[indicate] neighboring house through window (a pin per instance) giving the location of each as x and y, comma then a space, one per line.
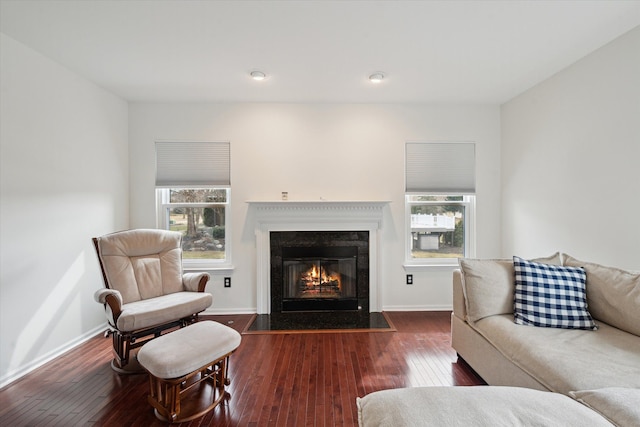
440, 202
193, 196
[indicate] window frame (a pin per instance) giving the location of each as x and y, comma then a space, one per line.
163, 205
468, 201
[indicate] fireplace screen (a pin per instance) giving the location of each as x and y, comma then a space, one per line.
317, 278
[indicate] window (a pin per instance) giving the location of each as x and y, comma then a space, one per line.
200, 214
439, 227
193, 197
440, 202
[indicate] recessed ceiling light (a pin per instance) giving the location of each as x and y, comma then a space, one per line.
258, 75
376, 77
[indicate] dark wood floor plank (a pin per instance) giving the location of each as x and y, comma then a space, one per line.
304, 398
309, 379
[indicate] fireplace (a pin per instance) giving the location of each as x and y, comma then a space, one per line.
319, 271
284, 216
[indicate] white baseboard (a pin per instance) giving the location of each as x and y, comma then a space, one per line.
417, 308
213, 311
21, 371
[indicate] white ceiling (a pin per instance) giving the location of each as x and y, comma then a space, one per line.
317, 51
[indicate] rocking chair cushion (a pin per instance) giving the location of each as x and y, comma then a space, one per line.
156, 311
142, 264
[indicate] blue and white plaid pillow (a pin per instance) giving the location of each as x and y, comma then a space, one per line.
551, 296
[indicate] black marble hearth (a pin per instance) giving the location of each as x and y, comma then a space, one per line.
346, 320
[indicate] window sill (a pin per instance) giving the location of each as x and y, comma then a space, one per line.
427, 267
218, 269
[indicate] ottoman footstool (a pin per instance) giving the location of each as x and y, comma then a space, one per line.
479, 406
188, 369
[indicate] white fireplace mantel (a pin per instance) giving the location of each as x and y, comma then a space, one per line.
314, 216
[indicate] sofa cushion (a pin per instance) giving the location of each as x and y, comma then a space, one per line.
613, 294
619, 405
488, 285
472, 407
550, 296
167, 308
567, 359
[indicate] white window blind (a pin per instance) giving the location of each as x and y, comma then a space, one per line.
180, 164
440, 167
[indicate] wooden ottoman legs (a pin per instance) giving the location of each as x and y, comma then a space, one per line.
184, 385
192, 395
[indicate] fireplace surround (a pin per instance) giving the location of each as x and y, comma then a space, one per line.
326, 216
319, 271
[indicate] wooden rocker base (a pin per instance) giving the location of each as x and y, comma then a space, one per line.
127, 344
131, 368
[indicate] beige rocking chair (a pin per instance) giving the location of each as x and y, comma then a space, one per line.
146, 292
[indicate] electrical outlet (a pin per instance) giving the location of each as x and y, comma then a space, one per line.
409, 279
227, 282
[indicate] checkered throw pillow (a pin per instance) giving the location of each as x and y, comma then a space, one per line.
550, 296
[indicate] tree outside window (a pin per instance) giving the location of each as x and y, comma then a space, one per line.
200, 215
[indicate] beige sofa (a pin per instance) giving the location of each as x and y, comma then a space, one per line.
540, 376
566, 361
485, 336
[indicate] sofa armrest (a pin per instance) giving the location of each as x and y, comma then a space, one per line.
459, 307
112, 301
195, 282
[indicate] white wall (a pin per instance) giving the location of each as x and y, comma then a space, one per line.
570, 161
64, 179
337, 152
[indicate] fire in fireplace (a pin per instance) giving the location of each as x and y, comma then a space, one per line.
319, 278
317, 282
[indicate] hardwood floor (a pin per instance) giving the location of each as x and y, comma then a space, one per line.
309, 379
